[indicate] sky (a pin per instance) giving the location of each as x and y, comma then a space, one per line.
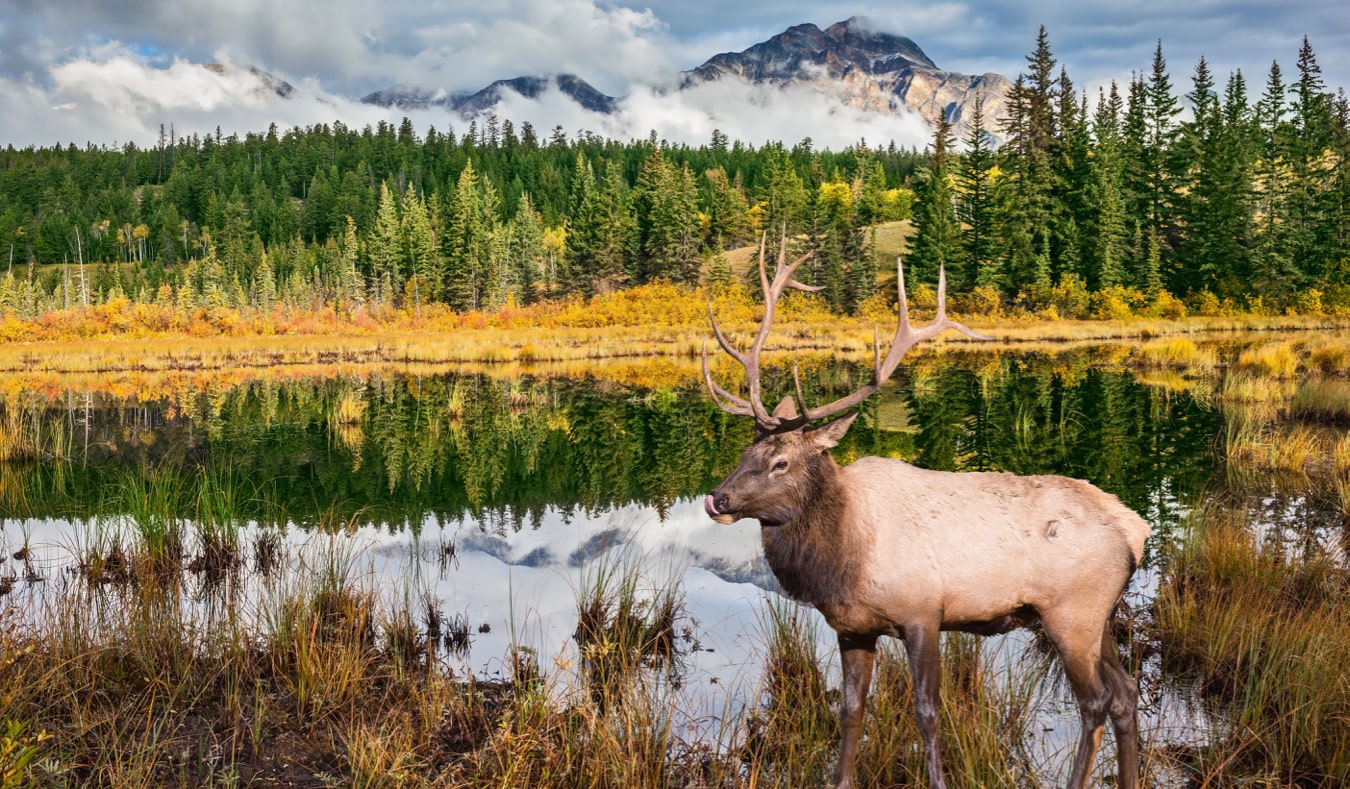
112, 71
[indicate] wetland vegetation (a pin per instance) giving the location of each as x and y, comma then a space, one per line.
336, 457
241, 578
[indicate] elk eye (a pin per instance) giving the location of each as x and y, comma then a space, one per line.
780, 465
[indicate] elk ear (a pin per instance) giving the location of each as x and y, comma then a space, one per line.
828, 434
786, 408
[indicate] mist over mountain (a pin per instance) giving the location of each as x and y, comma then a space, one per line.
838, 85
848, 65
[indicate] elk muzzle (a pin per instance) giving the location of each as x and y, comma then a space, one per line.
716, 505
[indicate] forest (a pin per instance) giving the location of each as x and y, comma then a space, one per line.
1139, 200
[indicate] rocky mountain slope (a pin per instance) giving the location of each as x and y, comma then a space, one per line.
868, 70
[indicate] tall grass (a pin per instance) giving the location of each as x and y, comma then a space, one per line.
623, 627
1175, 353
1263, 635
1325, 400
1272, 360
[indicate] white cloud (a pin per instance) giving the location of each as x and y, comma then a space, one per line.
52, 50
123, 97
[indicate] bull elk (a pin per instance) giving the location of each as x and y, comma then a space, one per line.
881, 547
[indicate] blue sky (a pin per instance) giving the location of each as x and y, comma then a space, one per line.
113, 70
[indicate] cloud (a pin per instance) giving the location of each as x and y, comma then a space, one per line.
612, 47
51, 53
124, 96
749, 113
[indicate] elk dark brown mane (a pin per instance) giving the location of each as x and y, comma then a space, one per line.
881, 547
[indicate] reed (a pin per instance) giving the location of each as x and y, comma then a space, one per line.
1322, 400
1272, 360
1263, 635
625, 624
1180, 353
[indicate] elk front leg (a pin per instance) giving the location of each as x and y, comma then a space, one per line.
923, 647
857, 654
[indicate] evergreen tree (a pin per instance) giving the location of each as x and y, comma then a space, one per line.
1312, 199
975, 205
1214, 204
527, 250
666, 216
467, 236
937, 236
423, 253
1158, 160
1106, 229
1274, 272
386, 246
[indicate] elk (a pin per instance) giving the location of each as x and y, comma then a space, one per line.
881, 547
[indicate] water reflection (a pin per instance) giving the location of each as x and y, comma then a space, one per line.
403, 451
488, 503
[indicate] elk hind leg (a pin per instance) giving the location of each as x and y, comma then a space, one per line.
1080, 650
1124, 712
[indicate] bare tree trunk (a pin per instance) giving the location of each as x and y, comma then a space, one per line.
79, 258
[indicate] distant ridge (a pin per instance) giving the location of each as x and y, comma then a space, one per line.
865, 69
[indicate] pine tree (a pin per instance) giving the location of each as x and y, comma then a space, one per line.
1159, 164
975, 204
386, 246
423, 253
468, 230
1312, 231
527, 250
937, 235
1214, 204
1106, 266
666, 214
1274, 272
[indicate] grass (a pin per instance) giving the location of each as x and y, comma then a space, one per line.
1178, 353
1262, 633
1271, 360
325, 680
1322, 400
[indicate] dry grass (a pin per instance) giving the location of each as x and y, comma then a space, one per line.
1263, 635
1272, 360
1324, 400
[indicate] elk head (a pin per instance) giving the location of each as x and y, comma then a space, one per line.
788, 446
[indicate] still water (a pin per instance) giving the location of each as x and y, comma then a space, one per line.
495, 502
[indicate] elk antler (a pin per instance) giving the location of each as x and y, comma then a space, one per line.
782, 279
906, 337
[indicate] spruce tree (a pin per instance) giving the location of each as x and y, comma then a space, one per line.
937, 235
975, 204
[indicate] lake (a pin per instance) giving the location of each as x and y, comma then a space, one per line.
489, 506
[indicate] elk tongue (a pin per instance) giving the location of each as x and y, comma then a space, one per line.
709, 507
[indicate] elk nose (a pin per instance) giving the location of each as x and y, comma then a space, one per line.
720, 501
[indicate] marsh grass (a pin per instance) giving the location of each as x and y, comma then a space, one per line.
149, 502
625, 624
1176, 353
794, 733
1263, 635
1271, 360
1322, 400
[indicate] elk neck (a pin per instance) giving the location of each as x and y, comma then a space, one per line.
817, 552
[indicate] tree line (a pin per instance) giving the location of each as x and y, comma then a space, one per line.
1128, 195
1123, 194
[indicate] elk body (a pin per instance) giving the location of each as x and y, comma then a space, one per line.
881, 547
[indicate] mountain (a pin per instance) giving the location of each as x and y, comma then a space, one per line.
485, 100
267, 82
866, 69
